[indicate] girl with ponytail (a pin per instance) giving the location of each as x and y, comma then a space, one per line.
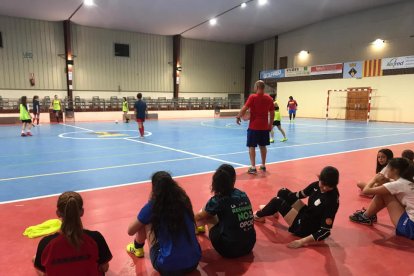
229, 216
167, 222
75, 250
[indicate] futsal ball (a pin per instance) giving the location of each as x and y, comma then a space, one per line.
116, 121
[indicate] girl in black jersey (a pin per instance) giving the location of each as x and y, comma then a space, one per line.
312, 222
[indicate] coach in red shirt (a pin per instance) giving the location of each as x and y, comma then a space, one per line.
261, 119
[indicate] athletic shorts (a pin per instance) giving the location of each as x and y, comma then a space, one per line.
226, 248
405, 227
154, 253
257, 137
56, 111
139, 120
276, 123
292, 111
26, 121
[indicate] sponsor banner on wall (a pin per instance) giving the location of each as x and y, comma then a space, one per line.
326, 69
272, 74
352, 69
372, 68
398, 63
297, 72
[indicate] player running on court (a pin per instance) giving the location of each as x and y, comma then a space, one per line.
140, 112
277, 122
261, 108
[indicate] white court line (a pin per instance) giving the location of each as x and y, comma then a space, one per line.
202, 173
185, 152
320, 143
96, 169
78, 127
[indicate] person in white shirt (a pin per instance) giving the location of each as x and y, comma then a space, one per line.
397, 196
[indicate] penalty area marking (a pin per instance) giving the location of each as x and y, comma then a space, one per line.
64, 135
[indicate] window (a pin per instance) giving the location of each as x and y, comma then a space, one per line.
121, 50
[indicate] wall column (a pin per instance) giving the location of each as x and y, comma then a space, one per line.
176, 64
68, 61
248, 68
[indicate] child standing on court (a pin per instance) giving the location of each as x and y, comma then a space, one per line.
56, 107
229, 216
140, 108
36, 109
125, 109
74, 250
277, 122
292, 107
25, 117
167, 222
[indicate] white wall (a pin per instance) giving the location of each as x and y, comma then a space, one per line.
350, 37
45, 41
211, 68
393, 98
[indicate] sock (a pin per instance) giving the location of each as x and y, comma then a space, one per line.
138, 245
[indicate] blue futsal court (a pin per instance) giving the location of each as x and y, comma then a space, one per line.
85, 156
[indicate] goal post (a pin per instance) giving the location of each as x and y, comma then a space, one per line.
337, 103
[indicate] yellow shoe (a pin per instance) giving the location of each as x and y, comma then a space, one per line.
272, 140
200, 229
138, 252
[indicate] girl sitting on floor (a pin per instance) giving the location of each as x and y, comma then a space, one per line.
75, 250
383, 157
167, 222
312, 222
229, 216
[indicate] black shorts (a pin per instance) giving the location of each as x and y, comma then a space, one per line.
276, 123
56, 111
154, 253
257, 137
26, 121
229, 249
302, 226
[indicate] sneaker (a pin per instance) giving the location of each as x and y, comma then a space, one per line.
359, 217
263, 168
374, 218
272, 140
283, 140
258, 219
23, 135
29, 134
138, 252
200, 229
252, 170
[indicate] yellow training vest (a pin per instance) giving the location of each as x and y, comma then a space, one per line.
24, 114
277, 112
125, 106
56, 105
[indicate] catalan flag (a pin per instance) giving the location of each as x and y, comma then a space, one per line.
372, 68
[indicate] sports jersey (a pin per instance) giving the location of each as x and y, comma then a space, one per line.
292, 104
235, 216
140, 108
24, 114
125, 106
277, 112
317, 217
56, 105
404, 190
176, 253
56, 256
260, 105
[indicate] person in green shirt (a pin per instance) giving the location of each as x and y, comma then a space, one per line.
125, 109
276, 122
56, 106
25, 117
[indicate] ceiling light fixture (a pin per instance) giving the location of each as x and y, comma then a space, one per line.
213, 21
303, 54
378, 43
243, 5
262, 2
88, 3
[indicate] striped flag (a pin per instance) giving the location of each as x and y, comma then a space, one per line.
372, 68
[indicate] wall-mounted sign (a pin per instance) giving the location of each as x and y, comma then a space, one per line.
297, 72
326, 69
272, 74
398, 63
27, 55
372, 68
352, 69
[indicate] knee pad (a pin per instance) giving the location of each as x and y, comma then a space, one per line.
284, 193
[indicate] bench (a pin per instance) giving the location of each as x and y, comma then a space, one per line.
10, 120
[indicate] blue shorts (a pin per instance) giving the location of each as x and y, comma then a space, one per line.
155, 252
257, 137
292, 111
405, 227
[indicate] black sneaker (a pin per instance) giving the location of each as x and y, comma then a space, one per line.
252, 170
359, 217
374, 218
263, 168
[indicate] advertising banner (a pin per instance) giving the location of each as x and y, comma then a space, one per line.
398, 63
272, 74
352, 69
297, 72
326, 69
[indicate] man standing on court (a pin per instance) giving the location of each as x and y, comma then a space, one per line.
140, 108
292, 106
261, 108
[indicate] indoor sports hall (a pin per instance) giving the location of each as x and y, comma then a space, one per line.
348, 68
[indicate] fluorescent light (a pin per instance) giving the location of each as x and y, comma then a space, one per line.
243, 5
303, 54
262, 2
379, 43
88, 2
213, 21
